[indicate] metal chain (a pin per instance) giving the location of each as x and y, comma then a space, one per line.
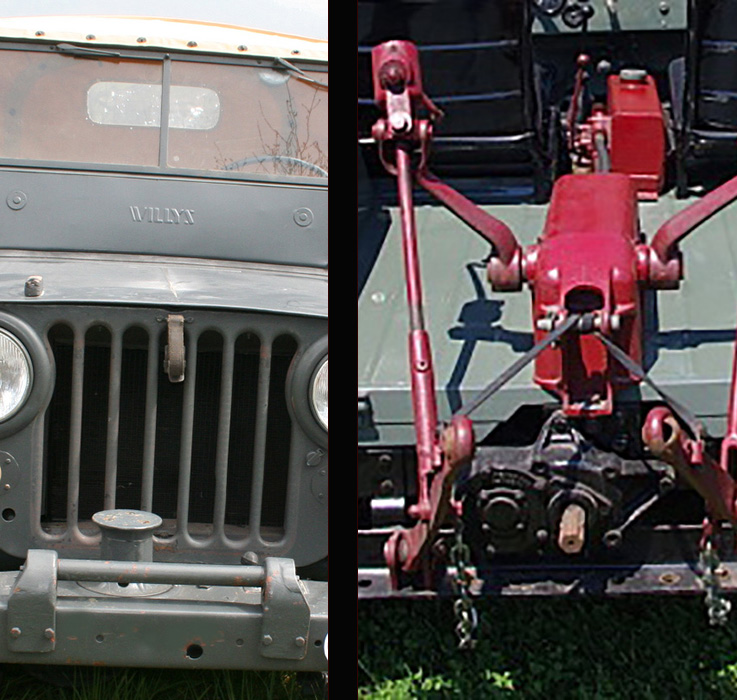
463, 606
717, 606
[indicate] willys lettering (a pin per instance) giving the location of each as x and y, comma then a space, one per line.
162, 215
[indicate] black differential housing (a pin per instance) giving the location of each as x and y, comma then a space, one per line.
514, 497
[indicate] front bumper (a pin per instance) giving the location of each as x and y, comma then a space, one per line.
119, 613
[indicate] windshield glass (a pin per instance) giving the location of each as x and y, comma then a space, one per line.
256, 119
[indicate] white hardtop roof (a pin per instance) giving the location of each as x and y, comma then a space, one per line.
171, 34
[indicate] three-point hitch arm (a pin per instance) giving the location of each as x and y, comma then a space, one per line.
615, 268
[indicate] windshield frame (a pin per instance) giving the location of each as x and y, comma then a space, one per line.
166, 57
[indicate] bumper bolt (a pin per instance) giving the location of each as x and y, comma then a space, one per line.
249, 558
299, 641
49, 633
15, 632
266, 640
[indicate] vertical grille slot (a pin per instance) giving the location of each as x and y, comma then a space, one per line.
278, 439
113, 421
241, 444
58, 426
185, 449
134, 387
210, 455
205, 438
167, 438
93, 451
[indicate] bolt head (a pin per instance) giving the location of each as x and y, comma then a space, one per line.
266, 640
15, 632
314, 457
249, 558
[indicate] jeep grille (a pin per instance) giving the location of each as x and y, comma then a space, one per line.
210, 455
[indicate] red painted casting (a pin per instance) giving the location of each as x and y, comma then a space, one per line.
628, 133
636, 131
586, 262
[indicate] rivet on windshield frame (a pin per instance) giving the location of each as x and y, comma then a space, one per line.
141, 40
40, 33
242, 47
91, 37
191, 44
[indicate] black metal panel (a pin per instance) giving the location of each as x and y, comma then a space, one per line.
477, 67
716, 97
472, 60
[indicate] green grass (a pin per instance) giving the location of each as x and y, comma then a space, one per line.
148, 684
649, 648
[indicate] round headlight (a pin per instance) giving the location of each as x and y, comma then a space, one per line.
16, 375
319, 394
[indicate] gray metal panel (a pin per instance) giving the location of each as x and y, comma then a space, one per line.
223, 625
71, 278
476, 333
257, 222
630, 15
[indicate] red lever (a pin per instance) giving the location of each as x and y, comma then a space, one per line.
664, 245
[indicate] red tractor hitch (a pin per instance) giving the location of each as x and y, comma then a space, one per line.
586, 274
